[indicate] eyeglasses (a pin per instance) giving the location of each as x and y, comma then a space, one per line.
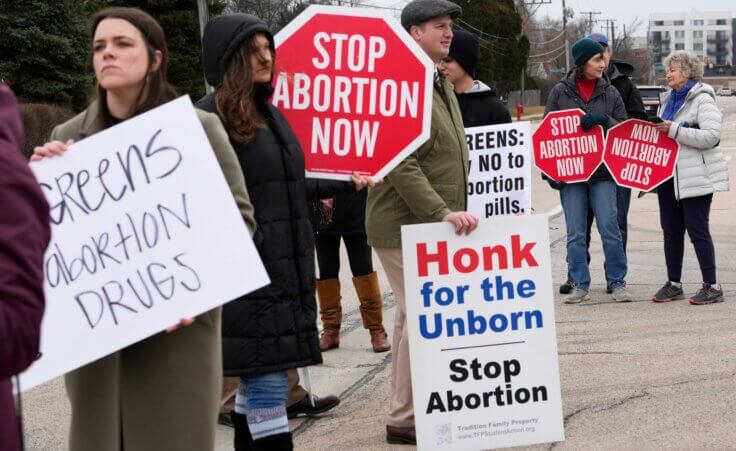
447, 59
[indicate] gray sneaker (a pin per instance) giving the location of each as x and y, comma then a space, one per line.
709, 294
621, 294
577, 296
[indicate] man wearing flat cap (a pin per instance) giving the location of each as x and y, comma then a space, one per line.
428, 186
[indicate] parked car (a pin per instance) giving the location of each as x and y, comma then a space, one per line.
651, 96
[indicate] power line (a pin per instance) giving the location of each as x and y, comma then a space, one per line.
559, 55
547, 42
562, 47
477, 30
484, 43
590, 18
352, 3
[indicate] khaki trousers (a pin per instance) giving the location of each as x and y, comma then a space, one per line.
230, 386
401, 407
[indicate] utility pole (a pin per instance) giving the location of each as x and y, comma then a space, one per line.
613, 34
590, 19
564, 30
204, 17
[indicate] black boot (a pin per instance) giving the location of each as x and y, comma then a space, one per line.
278, 442
243, 440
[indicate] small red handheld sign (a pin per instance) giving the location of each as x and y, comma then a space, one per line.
563, 151
639, 156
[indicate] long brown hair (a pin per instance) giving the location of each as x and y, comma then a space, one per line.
156, 89
234, 97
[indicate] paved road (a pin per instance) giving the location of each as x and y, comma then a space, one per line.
634, 376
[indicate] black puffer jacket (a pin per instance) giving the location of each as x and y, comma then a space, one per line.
348, 215
620, 72
480, 106
605, 100
274, 328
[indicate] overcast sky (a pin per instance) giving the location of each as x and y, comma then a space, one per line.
624, 11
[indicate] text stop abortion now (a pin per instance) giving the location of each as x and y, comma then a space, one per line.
347, 95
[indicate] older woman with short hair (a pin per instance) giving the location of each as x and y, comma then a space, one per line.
690, 116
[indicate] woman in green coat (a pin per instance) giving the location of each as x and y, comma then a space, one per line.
163, 392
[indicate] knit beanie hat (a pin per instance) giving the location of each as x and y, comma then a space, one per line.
585, 49
465, 49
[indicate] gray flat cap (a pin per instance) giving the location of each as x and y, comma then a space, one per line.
420, 11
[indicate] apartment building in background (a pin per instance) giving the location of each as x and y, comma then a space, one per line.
708, 34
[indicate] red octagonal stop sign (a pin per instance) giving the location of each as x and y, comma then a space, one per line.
356, 89
563, 151
639, 156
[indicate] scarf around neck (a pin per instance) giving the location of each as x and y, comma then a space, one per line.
676, 100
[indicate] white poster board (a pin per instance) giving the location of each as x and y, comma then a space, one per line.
500, 177
145, 232
483, 347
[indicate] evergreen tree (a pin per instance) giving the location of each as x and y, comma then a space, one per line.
276, 13
504, 50
180, 21
44, 49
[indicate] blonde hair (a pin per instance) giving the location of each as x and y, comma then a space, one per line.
687, 63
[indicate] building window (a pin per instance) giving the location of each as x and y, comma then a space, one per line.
658, 23
698, 47
679, 34
698, 34
721, 22
698, 22
679, 23
679, 46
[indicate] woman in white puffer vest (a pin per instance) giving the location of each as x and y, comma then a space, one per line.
692, 118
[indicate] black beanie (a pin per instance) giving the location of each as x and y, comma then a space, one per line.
465, 49
585, 49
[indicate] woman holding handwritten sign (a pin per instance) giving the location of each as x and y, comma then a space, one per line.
161, 393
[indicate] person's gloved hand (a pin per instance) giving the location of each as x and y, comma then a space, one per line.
591, 119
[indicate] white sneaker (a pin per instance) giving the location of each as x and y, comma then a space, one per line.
577, 296
621, 294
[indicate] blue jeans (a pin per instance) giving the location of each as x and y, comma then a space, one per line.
262, 391
601, 198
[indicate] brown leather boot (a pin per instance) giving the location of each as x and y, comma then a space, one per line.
371, 309
330, 310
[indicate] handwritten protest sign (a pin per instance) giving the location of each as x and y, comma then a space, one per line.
145, 232
639, 156
499, 181
482, 340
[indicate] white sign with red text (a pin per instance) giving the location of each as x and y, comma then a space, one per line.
482, 339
